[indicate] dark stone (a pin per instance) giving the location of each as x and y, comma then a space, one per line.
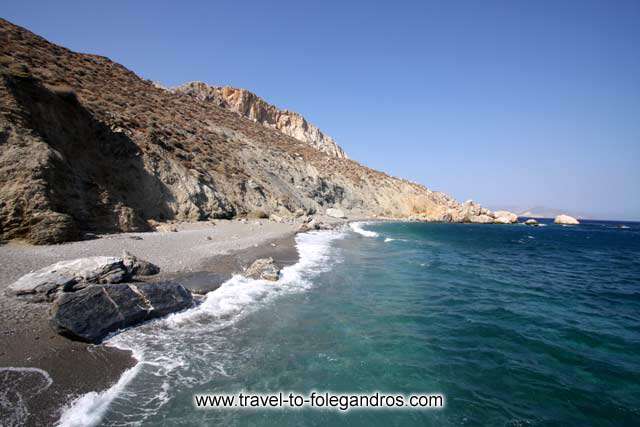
90, 314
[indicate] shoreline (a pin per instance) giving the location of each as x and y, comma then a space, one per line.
201, 256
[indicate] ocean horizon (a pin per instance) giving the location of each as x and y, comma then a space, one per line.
513, 325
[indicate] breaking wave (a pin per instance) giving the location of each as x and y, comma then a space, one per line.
357, 227
165, 348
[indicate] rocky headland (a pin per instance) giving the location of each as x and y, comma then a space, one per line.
88, 147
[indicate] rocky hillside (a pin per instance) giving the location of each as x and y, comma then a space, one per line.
248, 104
87, 146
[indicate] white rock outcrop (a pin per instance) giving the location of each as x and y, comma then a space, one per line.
481, 219
505, 217
78, 273
566, 220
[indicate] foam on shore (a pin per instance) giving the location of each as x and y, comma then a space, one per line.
38, 379
88, 409
231, 301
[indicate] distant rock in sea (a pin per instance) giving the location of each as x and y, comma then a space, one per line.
566, 220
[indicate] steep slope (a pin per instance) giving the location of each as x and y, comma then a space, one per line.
249, 105
87, 146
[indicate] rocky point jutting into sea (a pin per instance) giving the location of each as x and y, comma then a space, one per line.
90, 147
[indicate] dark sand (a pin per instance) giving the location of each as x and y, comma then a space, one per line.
26, 340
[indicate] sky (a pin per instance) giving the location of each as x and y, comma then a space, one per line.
509, 103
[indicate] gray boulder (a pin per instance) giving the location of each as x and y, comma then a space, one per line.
264, 269
138, 267
79, 273
92, 313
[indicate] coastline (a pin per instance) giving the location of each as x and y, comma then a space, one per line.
200, 255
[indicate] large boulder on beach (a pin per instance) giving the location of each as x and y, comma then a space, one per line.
566, 220
79, 273
264, 269
90, 314
335, 213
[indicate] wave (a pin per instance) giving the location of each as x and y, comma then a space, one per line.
230, 302
357, 227
239, 293
391, 239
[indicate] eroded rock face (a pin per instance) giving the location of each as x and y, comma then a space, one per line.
264, 269
90, 314
66, 276
248, 104
566, 220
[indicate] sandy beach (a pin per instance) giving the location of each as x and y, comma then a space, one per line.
201, 256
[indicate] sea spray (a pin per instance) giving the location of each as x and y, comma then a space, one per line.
357, 227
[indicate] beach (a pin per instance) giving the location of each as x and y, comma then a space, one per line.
199, 255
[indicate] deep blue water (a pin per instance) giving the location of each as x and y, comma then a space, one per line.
515, 325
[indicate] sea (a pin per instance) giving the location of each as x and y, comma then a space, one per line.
512, 325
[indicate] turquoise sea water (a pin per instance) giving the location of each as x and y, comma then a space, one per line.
515, 325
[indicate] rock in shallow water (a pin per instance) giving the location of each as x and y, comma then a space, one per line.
263, 268
92, 313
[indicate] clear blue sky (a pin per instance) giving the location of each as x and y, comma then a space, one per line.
507, 102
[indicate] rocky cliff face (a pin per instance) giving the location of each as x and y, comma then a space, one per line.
249, 105
86, 146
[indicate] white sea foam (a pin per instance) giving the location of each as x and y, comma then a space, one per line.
357, 227
88, 409
391, 239
239, 293
230, 302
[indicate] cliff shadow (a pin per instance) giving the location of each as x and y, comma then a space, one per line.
94, 174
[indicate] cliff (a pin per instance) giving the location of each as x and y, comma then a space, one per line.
86, 146
249, 105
